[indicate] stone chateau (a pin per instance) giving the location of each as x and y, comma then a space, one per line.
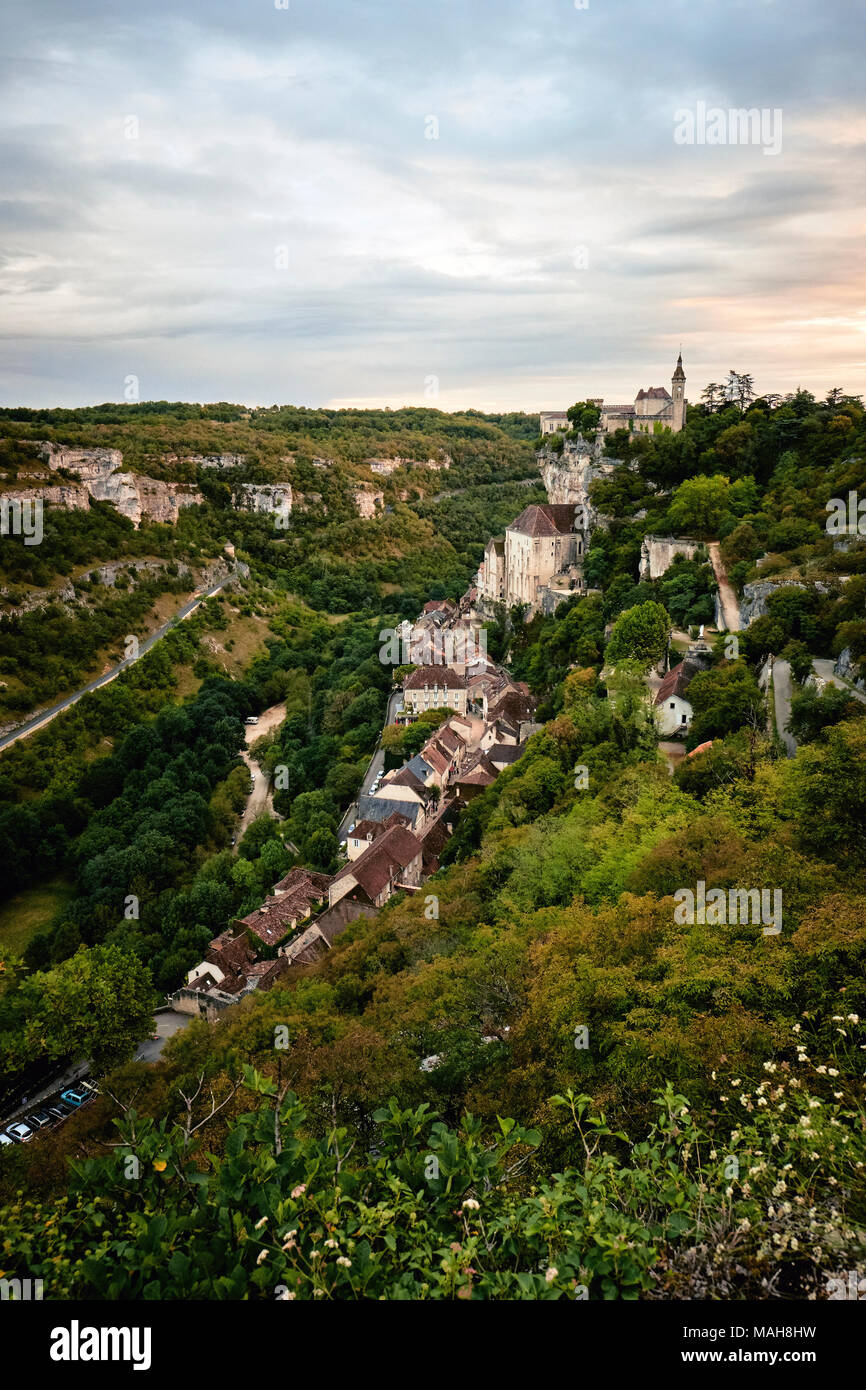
653, 407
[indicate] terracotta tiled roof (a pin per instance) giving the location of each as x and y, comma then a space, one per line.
372, 829
676, 682
383, 862
406, 778
294, 898
439, 759
701, 748
449, 739
545, 519
511, 704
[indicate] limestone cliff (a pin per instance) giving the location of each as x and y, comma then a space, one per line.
265, 497
98, 470
367, 501
567, 476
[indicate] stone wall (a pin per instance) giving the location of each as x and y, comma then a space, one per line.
657, 554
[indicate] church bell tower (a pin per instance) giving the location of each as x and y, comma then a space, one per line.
678, 385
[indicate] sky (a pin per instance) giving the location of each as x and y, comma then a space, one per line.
458, 203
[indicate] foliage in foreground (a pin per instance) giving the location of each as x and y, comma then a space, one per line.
765, 1199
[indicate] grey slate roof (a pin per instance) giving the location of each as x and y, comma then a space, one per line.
379, 808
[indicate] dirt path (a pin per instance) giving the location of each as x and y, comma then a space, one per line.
261, 798
727, 598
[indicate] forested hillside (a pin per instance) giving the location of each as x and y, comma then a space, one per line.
532, 1079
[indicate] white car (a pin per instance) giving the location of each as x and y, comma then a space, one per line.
19, 1132
251, 719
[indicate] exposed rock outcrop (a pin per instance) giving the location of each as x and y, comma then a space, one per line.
265, 497
367, 501
847, 669
133, 494
387, 466
72, 497
567, 476
217, 460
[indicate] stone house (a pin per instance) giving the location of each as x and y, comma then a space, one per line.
673, 713
434, 687
392, 861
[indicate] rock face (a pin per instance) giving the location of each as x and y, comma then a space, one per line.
387, 466
217, 460
567, 476
265, 497
848, 670
657, 554
132, 494
73, 497
753, 604
367, 501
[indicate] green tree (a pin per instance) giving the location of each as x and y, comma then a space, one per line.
640, 634
698, 505
723, 699
98, 1004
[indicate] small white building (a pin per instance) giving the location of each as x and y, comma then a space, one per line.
673, 712
552, 421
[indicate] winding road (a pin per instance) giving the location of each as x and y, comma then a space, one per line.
37, 721
376, 763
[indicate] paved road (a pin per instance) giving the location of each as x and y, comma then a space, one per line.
782, 704
824, 668
45, 717
376, 763
727, 598
165, 1025
458, 492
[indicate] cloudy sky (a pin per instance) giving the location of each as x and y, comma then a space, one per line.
350, 202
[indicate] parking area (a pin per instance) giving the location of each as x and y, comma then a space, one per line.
47, 1113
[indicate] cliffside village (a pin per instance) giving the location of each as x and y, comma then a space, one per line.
403, 823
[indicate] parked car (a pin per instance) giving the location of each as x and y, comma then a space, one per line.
59, 1110
4, 1138
39, 1119
75, 1098
19, 1132
251, 719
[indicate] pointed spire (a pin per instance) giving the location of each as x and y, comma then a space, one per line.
679, 374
